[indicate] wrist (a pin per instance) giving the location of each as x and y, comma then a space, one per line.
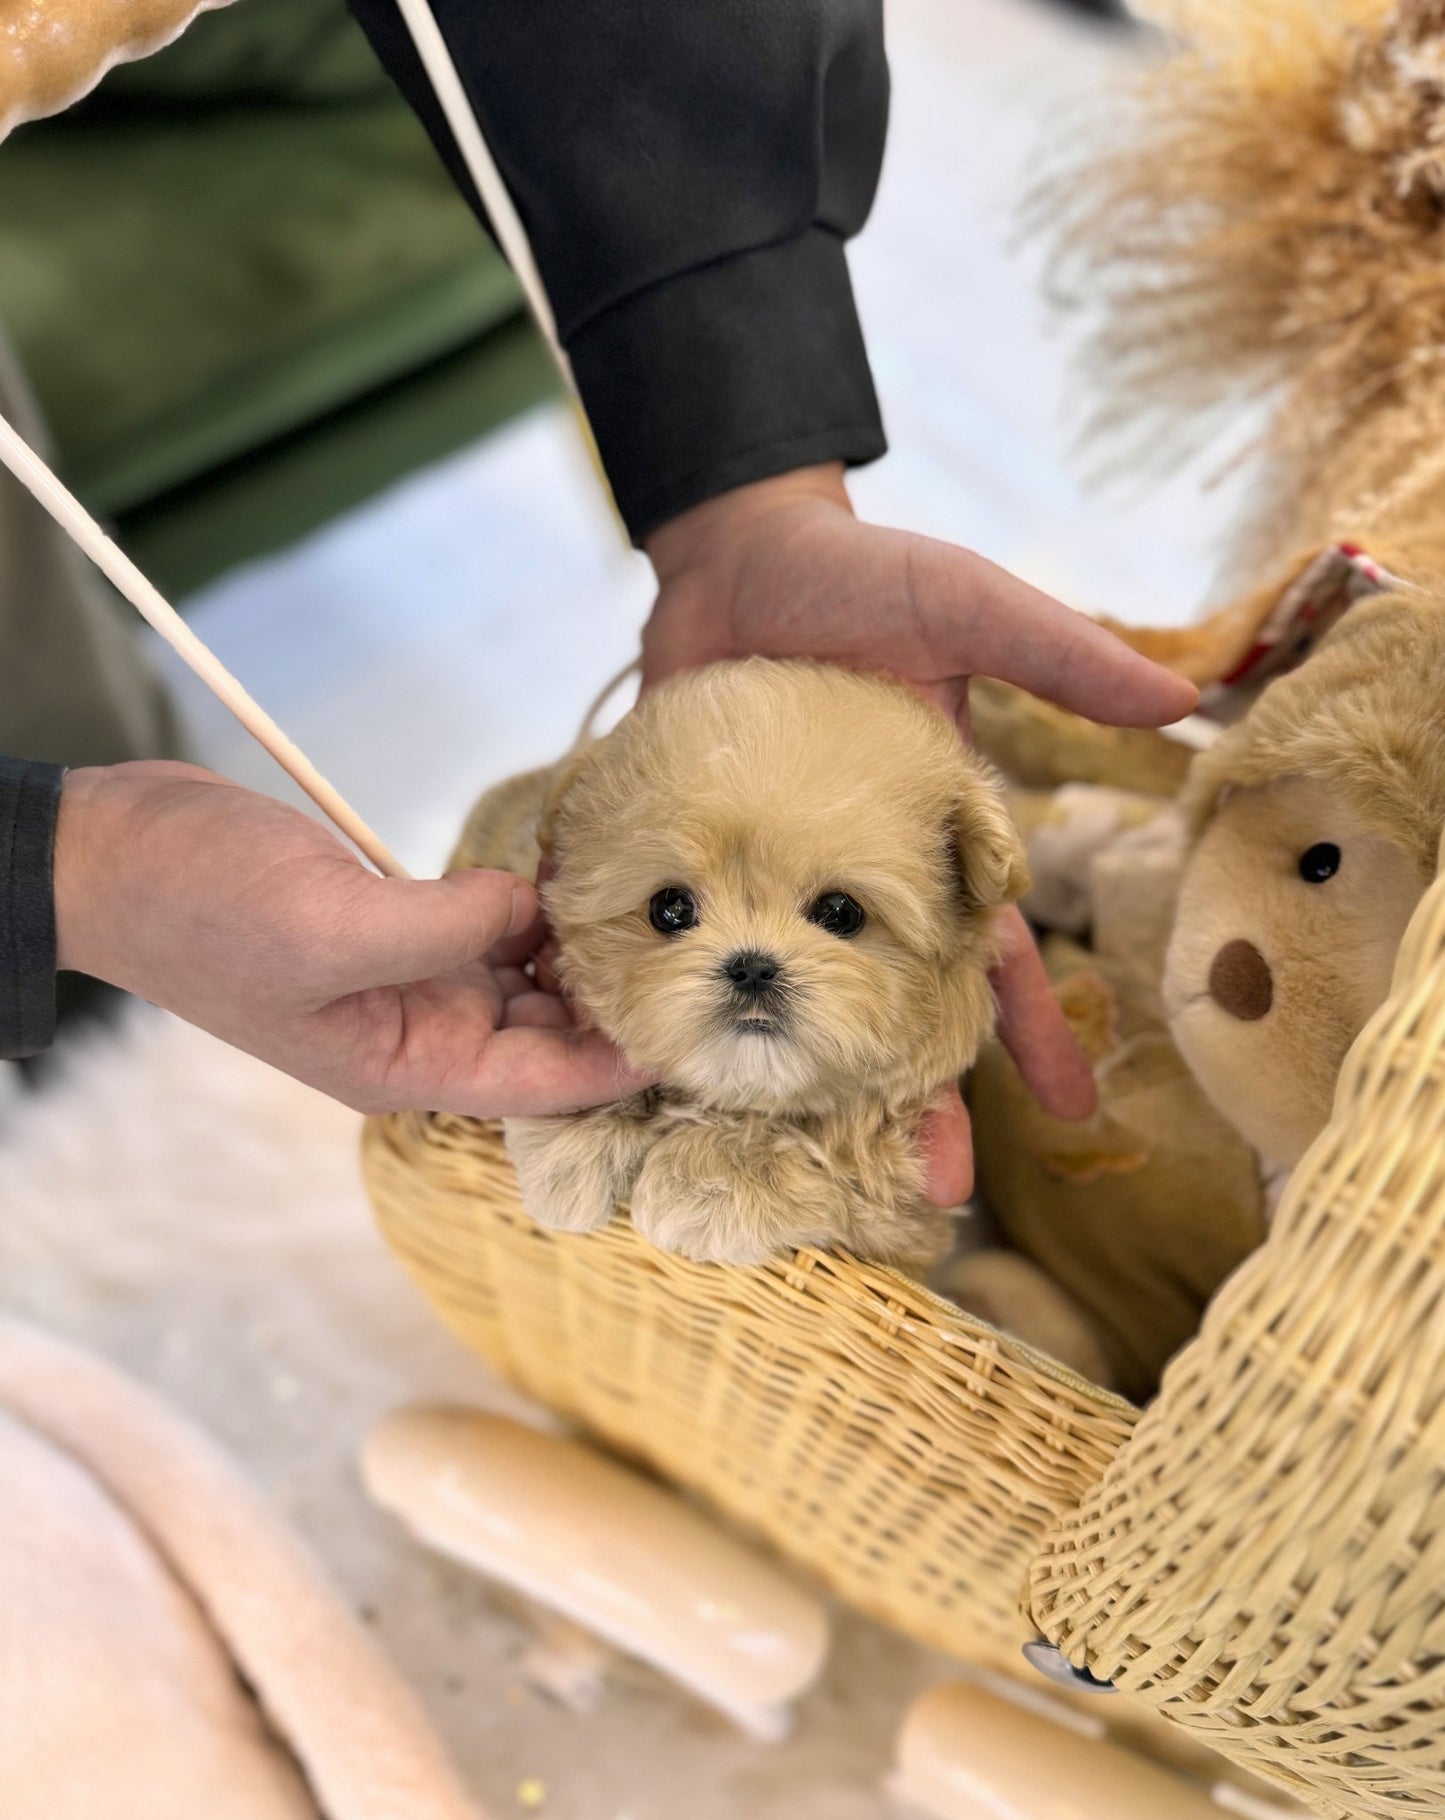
78, 839
106, 861
694, 536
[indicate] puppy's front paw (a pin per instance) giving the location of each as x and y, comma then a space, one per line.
572, 1172
706, 1196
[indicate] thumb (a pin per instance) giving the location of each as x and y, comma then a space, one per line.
1035, 1031
947, 1151
991, 623
420, 929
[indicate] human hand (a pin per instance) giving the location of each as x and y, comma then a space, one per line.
251, 920
782, 568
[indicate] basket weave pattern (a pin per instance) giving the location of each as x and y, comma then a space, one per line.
905, 1455
1260, 1557
1265, 1561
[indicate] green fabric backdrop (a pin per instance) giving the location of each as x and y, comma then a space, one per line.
245, 290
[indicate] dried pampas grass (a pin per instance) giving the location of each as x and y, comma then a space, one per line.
1266, 218
1219, 21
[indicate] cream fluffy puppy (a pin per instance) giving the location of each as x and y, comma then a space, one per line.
776, 886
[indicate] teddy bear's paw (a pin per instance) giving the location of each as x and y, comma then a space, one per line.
567, 1172
1011, 1293
706, 1197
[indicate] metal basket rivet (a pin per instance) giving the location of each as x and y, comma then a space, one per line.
1052, 1663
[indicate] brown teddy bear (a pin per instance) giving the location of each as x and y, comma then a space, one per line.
1268, 216
1238, 948
1317, 825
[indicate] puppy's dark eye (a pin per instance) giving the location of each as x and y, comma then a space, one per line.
1319, 862
838, 913
672, 910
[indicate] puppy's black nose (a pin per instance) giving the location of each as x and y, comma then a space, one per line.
751, 973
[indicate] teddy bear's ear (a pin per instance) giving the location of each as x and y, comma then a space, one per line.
993, 867
1237, 760
563, 778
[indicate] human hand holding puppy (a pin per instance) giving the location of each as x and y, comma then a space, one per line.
253, 921
783, 568
162, 869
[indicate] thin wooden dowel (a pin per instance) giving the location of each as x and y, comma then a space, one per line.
117, 567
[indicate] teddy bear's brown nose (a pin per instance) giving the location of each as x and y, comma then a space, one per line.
1240, 981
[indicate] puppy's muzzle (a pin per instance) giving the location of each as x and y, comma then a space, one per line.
752, 975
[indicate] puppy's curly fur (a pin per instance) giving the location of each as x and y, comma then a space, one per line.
789, 1103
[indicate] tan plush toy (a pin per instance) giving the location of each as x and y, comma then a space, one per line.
1317, 823
1308, 835
1305, 146
1116, 1229
1120, 1228
1265, 215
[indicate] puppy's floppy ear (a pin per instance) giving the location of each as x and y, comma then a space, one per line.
563, 778
993, 868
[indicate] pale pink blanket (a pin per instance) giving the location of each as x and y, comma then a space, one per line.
167, 1648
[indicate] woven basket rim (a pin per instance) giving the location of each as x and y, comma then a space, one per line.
944, 1319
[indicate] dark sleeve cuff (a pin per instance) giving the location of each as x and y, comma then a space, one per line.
29, 804
731, 373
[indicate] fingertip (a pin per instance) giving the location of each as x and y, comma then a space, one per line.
635, 1080
1161, 699
1186, 694
494, 886
1034, 1030
495, 894
598, 1070
533, 1070
1072, 1093
1120, 688
525, 908
947, 1141
537, 1011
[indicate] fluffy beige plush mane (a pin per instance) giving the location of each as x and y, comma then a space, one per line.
1356, 718
1266, 218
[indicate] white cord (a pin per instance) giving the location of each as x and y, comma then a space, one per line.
112, 561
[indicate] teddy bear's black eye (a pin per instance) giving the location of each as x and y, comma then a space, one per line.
672, 910
1319, 862
838, 913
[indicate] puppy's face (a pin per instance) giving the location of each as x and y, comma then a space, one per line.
775, 885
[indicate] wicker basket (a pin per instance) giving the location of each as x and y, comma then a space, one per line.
1260, 1556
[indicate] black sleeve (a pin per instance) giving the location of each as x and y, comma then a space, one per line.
29, 801
687, 172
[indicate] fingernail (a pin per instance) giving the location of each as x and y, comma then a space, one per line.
524, 908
